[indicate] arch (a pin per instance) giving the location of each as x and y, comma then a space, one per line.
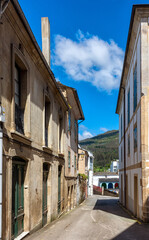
110, 185
116, 185
104, 185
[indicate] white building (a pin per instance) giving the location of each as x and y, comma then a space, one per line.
108, 180
90, 173
133, 110
114, 167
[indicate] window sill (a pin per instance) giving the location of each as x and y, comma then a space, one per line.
47, 149
61, 155
21, 138
21, 236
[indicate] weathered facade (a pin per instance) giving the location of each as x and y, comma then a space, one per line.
132, 107
35, 136
74, 114
85, 166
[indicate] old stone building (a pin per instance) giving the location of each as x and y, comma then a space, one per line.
75, 113
82, 161
85, 166
132, 107
35, 135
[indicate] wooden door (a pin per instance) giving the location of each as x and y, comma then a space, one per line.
59, 189
45, 190
17, 199
135, 195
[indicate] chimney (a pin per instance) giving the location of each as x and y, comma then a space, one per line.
46, 38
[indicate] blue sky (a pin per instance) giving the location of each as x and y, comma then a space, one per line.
88, 40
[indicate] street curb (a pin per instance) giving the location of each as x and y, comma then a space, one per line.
129, 213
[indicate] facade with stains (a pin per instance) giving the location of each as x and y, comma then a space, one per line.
133, 110
35, 134
85, 166
74, 114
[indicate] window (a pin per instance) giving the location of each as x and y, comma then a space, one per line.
75, 129
121, 154
47, 120
91, 163
60, 134
19, 111
128, 105
69, 120
128, 145
135, 137
121, 126
68, 159
75, 161
135, 88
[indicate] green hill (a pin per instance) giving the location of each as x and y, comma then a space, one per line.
104, 147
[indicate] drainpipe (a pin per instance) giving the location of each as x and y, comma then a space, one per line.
124, 154
2, 119
1, 172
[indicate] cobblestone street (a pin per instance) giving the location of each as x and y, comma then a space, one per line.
99, 217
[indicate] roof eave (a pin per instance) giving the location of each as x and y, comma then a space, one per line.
29, 31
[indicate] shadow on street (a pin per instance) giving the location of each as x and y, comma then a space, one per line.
135, 232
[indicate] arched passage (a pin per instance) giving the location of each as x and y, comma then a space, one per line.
116, 185
104, 185
110, 185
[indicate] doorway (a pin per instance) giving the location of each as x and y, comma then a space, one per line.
122, 188
18, 173
45, 190
136, 195
59, 188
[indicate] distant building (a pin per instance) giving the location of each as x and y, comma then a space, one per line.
133, 110
85, 166
108, 180
114, 167
71, 146
90, 173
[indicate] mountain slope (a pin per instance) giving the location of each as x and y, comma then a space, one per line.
103, 146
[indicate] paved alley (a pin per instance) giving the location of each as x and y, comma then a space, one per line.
99, 217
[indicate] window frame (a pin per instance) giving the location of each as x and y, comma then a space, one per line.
135, 140
128, 106
135, 88
69, 159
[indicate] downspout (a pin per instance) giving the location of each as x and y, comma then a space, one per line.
2, 120
124, 154
1, 174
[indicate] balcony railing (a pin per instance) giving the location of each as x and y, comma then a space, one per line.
19, 119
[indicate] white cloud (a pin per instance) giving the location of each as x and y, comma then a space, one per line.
82, 127
90, 59
84, 135
102, 129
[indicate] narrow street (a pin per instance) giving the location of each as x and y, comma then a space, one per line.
99, 217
